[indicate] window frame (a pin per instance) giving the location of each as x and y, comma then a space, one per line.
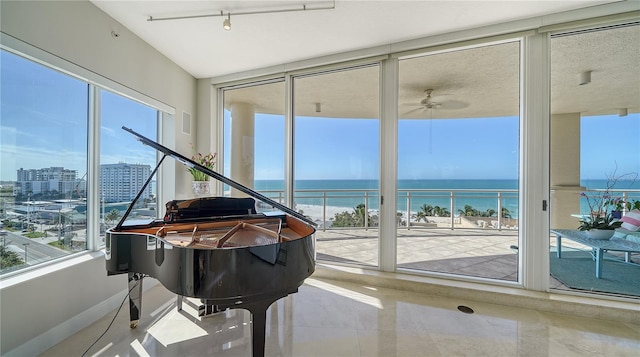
96, 83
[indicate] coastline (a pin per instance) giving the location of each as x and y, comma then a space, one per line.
315, 212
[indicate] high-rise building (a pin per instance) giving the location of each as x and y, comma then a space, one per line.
48, 179
122, 182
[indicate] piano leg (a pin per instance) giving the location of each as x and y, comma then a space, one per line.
135, 298
258, 311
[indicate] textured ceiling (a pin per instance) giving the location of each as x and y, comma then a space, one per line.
477, 82
204, 49
484, 80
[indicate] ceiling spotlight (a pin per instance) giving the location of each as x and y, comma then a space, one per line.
227, 23
585, 78
623, 112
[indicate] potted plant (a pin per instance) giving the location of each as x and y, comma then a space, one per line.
201, 184
599, 224
601, 221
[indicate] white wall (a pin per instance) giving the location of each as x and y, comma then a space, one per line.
53, 303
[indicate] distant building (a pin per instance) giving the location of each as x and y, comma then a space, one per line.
50, 179
47, 174
122, 182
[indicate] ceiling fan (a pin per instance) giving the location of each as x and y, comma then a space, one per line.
430, 103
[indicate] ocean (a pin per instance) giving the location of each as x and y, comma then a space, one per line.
479, 194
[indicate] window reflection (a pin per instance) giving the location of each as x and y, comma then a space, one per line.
125, 165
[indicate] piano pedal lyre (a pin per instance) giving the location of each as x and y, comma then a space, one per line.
207, 309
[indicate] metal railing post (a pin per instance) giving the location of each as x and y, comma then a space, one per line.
499, 210
451, 200
408, 209
366, 210
324, 211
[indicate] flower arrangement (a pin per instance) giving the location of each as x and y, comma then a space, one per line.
208, 161
602, 206
600, 218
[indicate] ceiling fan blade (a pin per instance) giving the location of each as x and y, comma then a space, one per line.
453, 104
440, 97
414, 110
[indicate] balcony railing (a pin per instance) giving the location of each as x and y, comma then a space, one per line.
409, 203
410, 200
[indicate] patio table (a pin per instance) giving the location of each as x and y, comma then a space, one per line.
599, 246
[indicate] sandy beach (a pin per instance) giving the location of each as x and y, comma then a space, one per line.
315, 212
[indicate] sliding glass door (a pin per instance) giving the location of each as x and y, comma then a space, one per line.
336, 161
595, 160
458, 162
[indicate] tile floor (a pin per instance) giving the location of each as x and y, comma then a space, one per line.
335, 318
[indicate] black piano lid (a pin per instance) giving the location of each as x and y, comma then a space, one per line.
192, 164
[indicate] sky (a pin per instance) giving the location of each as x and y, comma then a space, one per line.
43, 124
476, 148
43, 121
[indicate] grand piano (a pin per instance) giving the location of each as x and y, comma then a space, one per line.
218, 249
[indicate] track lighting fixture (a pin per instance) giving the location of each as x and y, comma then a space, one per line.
227, 23
320, 5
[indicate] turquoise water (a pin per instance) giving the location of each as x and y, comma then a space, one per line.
615, 190
350, 193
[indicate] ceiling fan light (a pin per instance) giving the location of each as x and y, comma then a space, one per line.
585, 78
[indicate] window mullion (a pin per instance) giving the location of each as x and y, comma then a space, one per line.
93, 169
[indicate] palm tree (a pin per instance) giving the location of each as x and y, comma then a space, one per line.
359, 214
468, 211
112, 216
505, 213
423, 212
441, 211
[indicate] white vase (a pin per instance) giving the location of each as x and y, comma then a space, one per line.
201, 188
600, 233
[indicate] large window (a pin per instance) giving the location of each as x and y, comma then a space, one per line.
254, 138
44, 150
458, 162
336, 161
460, 126
595, 159
44, 163
125, 165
